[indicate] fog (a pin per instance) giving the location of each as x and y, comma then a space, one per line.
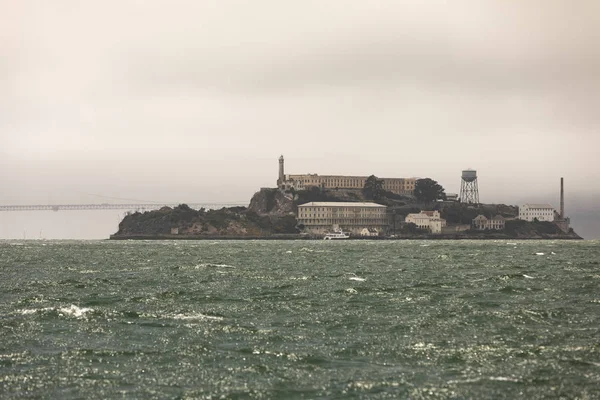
187, 101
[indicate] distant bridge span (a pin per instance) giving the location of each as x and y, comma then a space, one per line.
107, 206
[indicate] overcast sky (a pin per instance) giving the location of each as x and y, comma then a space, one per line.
195, 100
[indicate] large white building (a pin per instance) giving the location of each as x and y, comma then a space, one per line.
541, 212
323, 217
304, 181
429, 220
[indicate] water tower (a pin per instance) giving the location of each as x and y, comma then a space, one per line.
469, 193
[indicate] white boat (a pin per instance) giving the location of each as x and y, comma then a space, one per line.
336, 235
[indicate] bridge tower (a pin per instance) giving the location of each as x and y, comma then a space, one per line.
469, 192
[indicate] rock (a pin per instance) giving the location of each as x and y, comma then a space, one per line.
271, 202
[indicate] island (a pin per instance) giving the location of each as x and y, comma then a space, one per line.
273, 213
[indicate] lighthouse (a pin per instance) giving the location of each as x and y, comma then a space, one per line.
281, 179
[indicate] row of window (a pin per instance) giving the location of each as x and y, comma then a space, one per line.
348, 209
354, 183
344, 222
346, 216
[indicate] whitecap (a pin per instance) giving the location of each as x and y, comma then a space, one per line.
503, 379
470, 380
197, 316
74, 311
352, 291
29, 311
539, 254
288, 252
207, 265
356, 278
528, 277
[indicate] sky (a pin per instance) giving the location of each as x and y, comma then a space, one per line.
194, 101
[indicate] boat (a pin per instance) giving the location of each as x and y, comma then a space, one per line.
336, 235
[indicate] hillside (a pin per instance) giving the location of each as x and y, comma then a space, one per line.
184, 221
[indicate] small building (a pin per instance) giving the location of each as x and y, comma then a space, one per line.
322, 217
429, 220
369, 232
497, 223
541, 212
451, 196
481, 223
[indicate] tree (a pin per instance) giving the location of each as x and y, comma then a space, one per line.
427, 191
373, 189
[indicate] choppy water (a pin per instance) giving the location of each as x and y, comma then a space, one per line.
244, 319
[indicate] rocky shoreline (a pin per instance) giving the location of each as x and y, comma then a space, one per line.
309, 237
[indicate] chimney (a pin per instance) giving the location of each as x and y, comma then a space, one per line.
562, 199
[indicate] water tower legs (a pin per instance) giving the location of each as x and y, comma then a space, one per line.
469, 192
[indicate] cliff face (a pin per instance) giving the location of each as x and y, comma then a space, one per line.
271, 202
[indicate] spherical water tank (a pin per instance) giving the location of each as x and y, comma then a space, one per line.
469, 175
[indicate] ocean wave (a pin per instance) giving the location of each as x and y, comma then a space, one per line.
197, 316
71, 311
212, 265
356, 278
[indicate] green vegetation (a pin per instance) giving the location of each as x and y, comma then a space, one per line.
427, 191
462, 213
459, 213
373, 189
522, 228
413, 229
286, 224
235, 221
314, 194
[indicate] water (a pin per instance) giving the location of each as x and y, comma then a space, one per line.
304, 319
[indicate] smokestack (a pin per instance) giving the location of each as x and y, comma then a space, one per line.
562, 199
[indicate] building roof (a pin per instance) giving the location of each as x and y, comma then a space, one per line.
498, 218
480, 217
340, 204
537, 206
346, 177
430, 213
418, 215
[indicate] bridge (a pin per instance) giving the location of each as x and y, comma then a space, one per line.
113, 206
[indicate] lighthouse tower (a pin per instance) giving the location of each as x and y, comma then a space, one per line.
281, 179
